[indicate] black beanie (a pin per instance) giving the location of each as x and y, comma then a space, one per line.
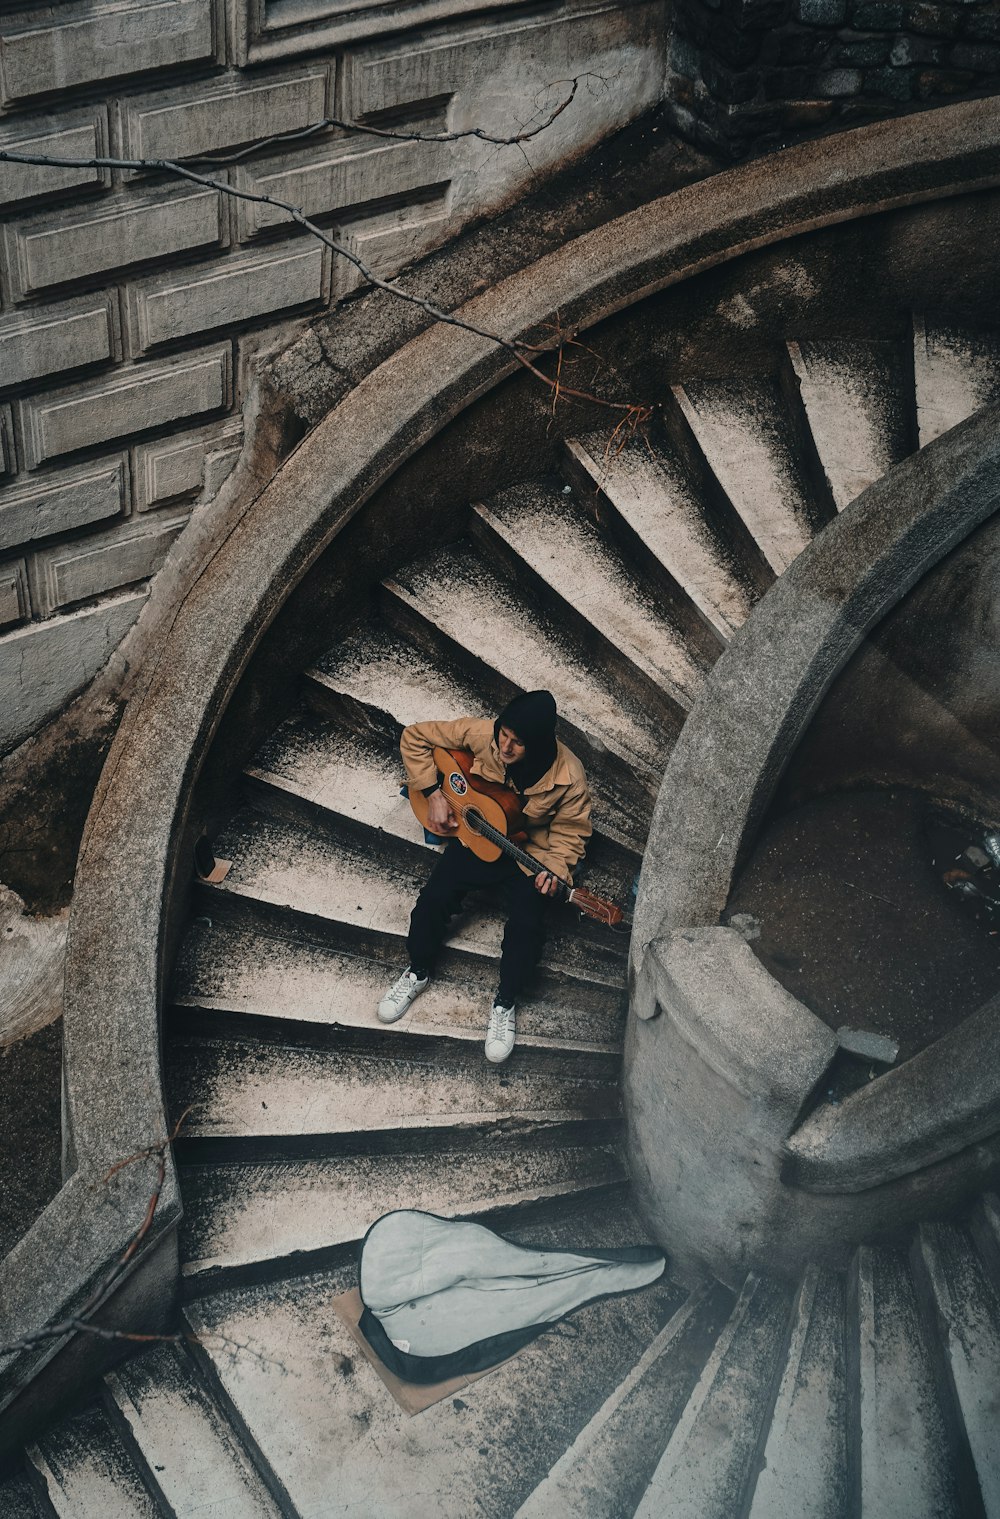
532, 717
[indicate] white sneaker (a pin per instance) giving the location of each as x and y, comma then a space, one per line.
500, 1034
399, 996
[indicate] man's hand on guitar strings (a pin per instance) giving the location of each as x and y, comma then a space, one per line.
440, 817
547, 884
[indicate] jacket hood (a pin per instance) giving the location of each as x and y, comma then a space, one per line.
532, 716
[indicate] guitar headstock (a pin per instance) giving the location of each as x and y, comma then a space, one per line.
596, 907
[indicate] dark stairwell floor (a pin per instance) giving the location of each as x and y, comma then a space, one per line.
856, 922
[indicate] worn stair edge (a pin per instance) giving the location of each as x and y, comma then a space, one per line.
604, 1472
692, 569
246, 1216
963, 1313
81, 1470
701, 1476
905, 1461
181, 1439
803, 1475
666, 683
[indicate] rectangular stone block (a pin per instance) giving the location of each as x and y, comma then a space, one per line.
131, 400
15, 603
40, 252
340, 175
58, 337
82, 134
64, 47
175, 469
389, 240
271, 29
231, 291
43, 664
180, 123
63, 502
102, 562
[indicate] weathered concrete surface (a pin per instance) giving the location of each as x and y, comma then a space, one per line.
198, 641
804, 1466
701, 1476
945, 1099
607, 1468
719, 1062
906, 1460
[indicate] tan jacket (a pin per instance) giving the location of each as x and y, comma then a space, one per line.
557, 806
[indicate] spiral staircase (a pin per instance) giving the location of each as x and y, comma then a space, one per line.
875, 1392
616, 584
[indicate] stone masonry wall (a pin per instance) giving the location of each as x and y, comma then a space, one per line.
751, 73
134, 307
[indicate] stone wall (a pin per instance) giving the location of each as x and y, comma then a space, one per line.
135, 308
747, 73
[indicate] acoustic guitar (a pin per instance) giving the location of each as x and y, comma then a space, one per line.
491, 823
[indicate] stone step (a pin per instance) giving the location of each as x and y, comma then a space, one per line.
82, 1471
341, 1445
967, 1310
271, 1099
378, 682
459, 599
745, 431
537, 527
242, 975
362, 899
314, 769
805, 1458
183, 1440
238, 1217
703, 1476
956, 372
905, 1458
606, 1470
646, 490
859, 403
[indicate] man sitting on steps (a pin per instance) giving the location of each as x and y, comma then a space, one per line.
519, 750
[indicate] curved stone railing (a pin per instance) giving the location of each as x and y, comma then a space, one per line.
196, 652
942, 1101
702, 1008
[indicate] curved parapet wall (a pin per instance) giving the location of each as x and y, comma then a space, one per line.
698, 1010
196, 647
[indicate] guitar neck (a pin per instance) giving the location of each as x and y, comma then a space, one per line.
496, 837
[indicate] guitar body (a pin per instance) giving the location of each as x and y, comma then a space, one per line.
498, 805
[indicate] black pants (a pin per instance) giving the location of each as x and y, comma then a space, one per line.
456, 872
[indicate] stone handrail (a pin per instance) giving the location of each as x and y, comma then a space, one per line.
943, 1100
196, 648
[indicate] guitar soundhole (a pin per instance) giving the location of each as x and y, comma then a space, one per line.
473, 817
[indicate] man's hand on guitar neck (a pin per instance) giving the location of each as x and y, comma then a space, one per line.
546, 883
440, 818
